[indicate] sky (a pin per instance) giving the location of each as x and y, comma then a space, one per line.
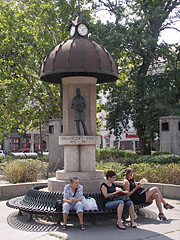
170, 35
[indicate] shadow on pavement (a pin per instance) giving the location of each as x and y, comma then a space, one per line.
93, 231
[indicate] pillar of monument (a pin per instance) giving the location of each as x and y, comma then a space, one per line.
79, 149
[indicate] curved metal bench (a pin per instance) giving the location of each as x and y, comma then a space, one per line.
43, 203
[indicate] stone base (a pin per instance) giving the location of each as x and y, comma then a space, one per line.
91, 181
91, 175
88, 185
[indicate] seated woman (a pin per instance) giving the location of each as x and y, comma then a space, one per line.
73, 195
107, 189
138, 197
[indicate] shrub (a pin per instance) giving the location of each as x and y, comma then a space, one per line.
43, 158
160, 153
167, 173
118, 168
23, 170
114, 153
159, 159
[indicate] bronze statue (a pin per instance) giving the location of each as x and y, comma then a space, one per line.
78, 104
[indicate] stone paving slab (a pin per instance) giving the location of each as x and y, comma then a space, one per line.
14, 227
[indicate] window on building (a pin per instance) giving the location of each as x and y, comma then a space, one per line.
178, 126
165, 126
16, 144
51, 129
61, 128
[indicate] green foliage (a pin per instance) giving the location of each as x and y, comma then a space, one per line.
29, 29
23, 170
142, 94
7, 158
168, 173
1, 159
155, 173
159, 159
127, 157
119, 169
113, 153
43, 158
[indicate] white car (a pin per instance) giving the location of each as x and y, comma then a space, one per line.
2, 154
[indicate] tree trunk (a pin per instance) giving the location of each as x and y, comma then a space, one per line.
145, 147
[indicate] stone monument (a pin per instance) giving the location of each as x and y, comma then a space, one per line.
78, 64
56, 152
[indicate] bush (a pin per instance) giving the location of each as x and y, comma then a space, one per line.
119, 169
128, 157
8, 158
168, 173
159, 153
164, 173
159, 159
114, 153
23, 170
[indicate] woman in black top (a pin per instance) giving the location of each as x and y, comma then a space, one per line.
139, 196
107, 189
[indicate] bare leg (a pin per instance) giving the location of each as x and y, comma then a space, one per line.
151, 192
157, 198
80, 216
131, 213
119, 214
65, 215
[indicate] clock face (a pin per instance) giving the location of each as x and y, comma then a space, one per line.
82, 30
72, 30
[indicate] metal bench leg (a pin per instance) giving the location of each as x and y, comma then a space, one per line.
58, 219
20, 213
30, 217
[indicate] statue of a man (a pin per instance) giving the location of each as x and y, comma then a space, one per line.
78, 104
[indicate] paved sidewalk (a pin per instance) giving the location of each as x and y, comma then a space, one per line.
13, 227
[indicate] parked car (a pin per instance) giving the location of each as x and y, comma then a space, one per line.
2, 153
25, 150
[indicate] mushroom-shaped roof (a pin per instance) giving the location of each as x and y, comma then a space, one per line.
78, 57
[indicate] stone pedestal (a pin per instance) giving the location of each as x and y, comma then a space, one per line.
91, 181
79, 151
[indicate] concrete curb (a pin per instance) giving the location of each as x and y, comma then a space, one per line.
8, 191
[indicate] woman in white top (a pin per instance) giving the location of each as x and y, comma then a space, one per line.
73, 195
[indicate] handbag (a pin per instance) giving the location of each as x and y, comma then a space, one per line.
58, 205
124, 197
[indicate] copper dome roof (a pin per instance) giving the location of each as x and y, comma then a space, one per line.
79, 56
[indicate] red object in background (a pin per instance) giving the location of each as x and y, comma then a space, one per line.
24, 150
131, 136
106, 136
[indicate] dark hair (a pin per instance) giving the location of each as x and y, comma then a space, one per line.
73, 179
128, 171
110, 174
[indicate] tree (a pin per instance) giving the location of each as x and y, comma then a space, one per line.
134, 41
28, 30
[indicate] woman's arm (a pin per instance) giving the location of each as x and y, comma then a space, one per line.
65, 200
104, 191
126, 186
